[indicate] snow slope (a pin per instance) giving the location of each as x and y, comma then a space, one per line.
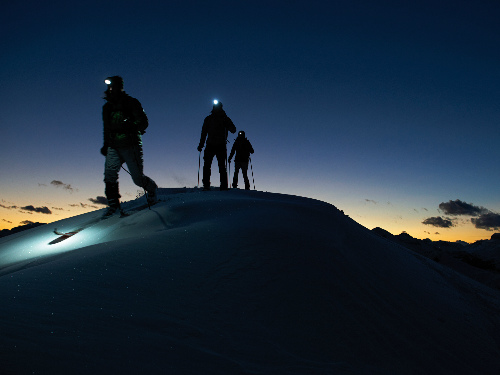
236, 282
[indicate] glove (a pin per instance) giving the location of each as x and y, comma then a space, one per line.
200, 148
104, 150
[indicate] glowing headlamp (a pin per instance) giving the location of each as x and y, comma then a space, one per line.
107, 82
216, 102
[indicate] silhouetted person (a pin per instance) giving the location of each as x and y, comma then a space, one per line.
243, 148
124, 124
215, 128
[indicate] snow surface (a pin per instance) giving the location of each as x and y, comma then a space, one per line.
236, 282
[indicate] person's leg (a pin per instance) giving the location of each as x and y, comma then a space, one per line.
111, 168
237, 167
208, 157
244, 170
221, 160
133, 156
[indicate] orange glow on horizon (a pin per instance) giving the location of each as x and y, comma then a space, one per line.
466, 232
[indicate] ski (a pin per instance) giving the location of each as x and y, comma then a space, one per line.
65, 235
68, 234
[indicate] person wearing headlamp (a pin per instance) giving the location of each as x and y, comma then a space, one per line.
243, 148
124, 124
214, 131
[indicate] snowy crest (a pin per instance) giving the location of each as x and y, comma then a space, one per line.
236, 282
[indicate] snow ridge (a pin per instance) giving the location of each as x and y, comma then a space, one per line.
237, 282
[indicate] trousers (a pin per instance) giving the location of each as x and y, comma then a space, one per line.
133, 157
218, 151
244, 170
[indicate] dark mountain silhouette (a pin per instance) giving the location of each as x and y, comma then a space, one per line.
479, 261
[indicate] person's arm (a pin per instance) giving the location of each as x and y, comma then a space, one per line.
140, 119
105, 130
250, 148
233, 149
229, 125
203, 135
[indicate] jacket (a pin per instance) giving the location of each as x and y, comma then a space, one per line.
124, 121
215, 128
243, 148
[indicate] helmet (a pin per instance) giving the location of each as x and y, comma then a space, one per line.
114, 81
217, 104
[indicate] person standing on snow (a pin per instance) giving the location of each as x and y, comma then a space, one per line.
215, 128
243, 148
124, 124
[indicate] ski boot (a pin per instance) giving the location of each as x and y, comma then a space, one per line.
113, 207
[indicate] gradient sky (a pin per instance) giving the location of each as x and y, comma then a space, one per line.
384, 109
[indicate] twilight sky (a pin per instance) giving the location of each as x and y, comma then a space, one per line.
388, 110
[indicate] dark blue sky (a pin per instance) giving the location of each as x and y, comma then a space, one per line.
385, 109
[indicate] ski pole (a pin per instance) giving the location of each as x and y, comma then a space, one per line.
199, 164
227, 177
251, 168
126, 171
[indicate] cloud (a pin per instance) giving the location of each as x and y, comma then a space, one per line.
488, 221
9, 207
370, 201
485, 219
458, 207
85, 205
41, 210
438, 222
27, 222
63, 185
99, 200
31, 208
